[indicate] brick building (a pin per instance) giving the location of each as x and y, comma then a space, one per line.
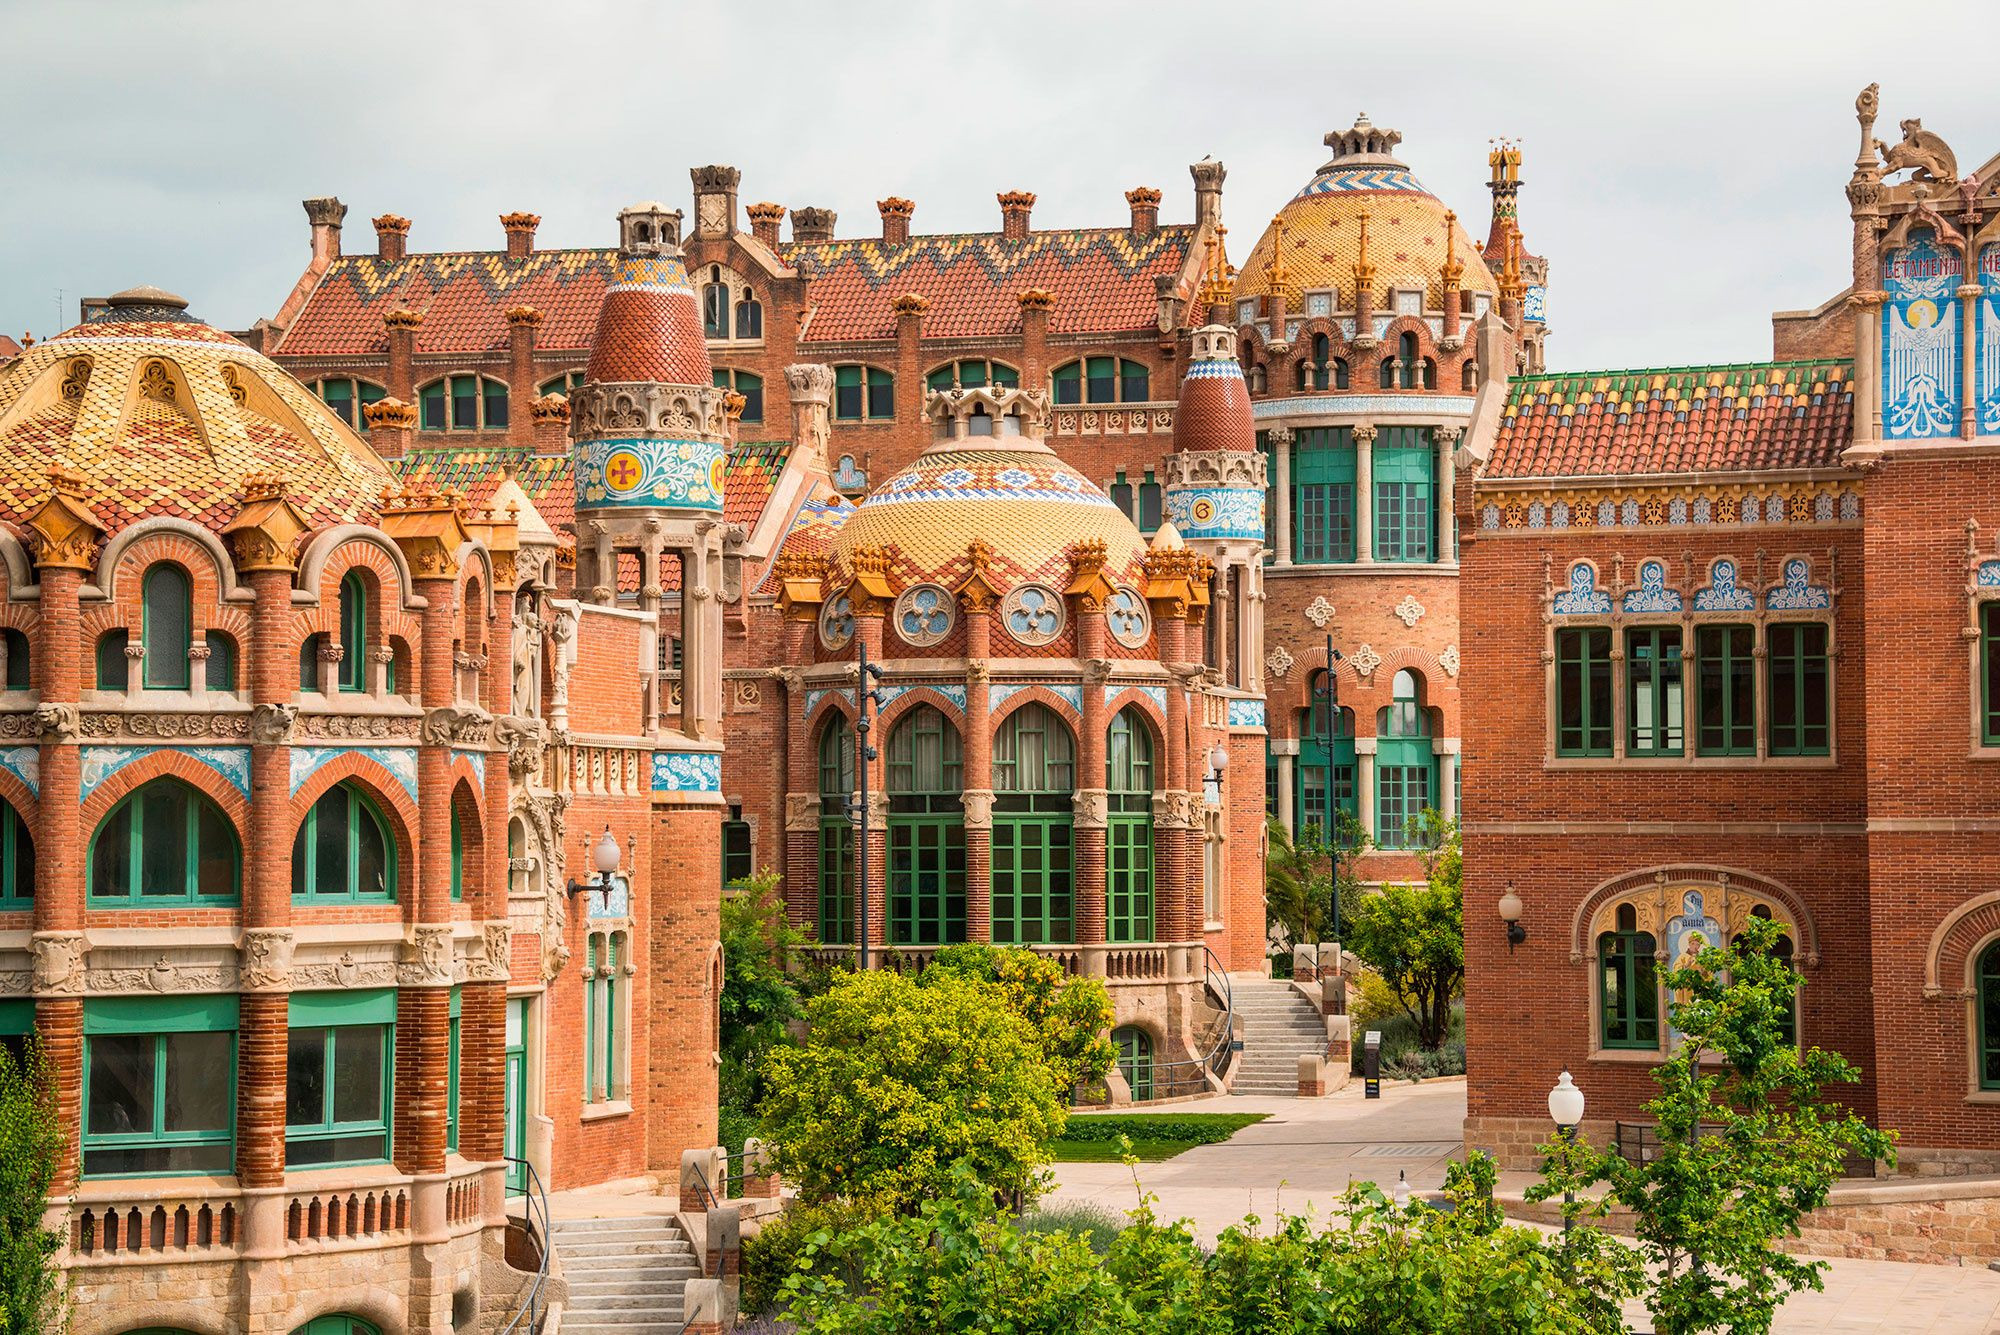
1732, 649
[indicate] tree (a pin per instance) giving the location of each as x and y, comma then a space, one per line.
897, 1082
1748, 1144
32, 1294
1300, 874
759, 999
1069, 1015
1414, 936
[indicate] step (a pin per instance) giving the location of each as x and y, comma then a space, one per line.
597, 1269
593, 1250
627, 1316
610, 1306
649, 1282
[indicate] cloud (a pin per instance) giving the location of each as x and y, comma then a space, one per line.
1683, 167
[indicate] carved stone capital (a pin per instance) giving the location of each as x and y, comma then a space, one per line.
1364, 434
59, 963
878, 811
1280, 436
266, 959
456, 725
1093, 808
57, 722
801, 812
978, 804
426, 959
271, 724
493, 963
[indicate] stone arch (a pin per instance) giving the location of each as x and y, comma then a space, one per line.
1740, 892
1071, 716
186, 1318
366, 1301
1956, 942
832, 697
167, 537
20, 568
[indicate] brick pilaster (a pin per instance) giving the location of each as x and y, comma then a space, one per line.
423, 1055
482, 1071
685, 902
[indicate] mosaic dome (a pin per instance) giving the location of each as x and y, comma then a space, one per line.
161, 414
1010, 492
1214, 408
1321, 230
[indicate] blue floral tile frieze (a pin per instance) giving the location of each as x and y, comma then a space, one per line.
101, 762
687, 772
25, 764
400, 761
1246, 713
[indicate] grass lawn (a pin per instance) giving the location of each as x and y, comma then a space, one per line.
1094, 1138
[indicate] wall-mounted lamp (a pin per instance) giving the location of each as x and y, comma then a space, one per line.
1218, 763
605, 857
1510, 913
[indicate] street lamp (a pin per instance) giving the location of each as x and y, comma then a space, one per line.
1566, 1111
1510, 913
1330, 693
1218, 764
605, 858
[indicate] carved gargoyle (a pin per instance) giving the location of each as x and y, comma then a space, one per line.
1924, 152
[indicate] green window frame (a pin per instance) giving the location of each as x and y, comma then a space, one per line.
1799, 695
863, 394
457, 857
352, 672
349, 400
1149, 503
1989, 663
451, 1076
219, 673
167, 626
1404, 471
972, 373
836, 832
1129, 872
564, 384
340, 1064
1311, 771
337, 1323
926, 881
1033, 861
344, 853
17, 860
738, 858
431, 414
114, 670
604, 957
1583, 691
749, 385
493, 400
1628, 989
1323, 481
1135, 1060
464, 393
1655, 692
1988, 1016
1405, 763
164, 843
1726, 677
20, 659
159, 1086
1100, 380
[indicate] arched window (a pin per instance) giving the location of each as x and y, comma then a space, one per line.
167, 626
164, 843
1386, 375
1101, 380
1135, 1060
715, 305
863, 394
347, 399
1468, 376
1340, 380
749, 316
750, 386
353, 670
343, 852
926, 832
971, 374
457, 855
1628, 990
1405, 764
463, 403
114, 669
1413, 370
1987, 1014
20, 659
340, 1323
17, 860
1034, 783
1326, 763
836, 832
563, 384
1128, 835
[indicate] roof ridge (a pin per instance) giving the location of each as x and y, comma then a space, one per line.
1689, 368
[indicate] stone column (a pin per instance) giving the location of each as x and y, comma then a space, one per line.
1447, 511
1281, 438
1286, 751
1364, 781
1090, 872
1364, 493
1447, 761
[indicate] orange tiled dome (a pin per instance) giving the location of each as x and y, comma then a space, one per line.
1321, 230
164, 415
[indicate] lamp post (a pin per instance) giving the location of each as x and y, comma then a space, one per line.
866, 701
604, 859
1218, 765
1510, 913
1331, 695
1566, 1111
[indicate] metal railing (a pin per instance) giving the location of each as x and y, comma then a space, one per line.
1640, 1143
535, 1222
1189, 1075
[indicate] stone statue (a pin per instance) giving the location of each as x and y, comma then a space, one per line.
1924, 153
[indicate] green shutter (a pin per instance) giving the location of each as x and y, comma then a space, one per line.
160, 1015
369, 1005
167, 627
1068, 383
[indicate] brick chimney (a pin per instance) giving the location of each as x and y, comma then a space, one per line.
325, 215
1208, 175
1015, 206
1036, 303
895, 219
551, 414
764, 220
910, 308
390, 424
522, 322
520, 233
392, 238
715, 199
811, 226
401, 327
1145, 202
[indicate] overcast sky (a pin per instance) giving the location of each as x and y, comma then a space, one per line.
1684, 161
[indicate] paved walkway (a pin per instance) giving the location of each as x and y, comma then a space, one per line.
1302, 1157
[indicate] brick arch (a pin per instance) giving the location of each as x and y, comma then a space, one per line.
335, 542
384, 788
166, 764
389, 593
165, 537
913, 697
18, 796
465, 803
1155, 717
1955, 945
832, 697
24, 617
1736, 883
1041, 695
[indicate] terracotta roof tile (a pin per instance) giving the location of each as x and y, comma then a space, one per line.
464, 298
1763, 415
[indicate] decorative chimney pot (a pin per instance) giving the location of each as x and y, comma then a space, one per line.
392, 238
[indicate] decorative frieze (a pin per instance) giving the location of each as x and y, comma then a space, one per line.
802, 812
1768, 505
59, 963
166, 727
427, 959
266, 962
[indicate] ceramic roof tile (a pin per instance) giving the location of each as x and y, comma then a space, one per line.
464, 298
1754, 416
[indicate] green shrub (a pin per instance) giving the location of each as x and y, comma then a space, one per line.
1189, 1129
778, 1247
1097, 1225
1399, 1039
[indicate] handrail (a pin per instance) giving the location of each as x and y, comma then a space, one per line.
1216, 979
704, 1194
536, 1194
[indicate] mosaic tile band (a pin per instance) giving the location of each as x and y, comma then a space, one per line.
1217, 512
639, 473
687, 772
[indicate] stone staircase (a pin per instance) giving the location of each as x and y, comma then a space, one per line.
626, 1276
1279, 1026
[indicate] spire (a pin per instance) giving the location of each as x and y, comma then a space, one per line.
1218, 286
1453, 270
1364, 269
1505, 164
1275, 276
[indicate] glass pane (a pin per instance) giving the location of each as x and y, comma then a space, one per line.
496, 404
357, 1073
215, 852
167, 627
371, 863
198, 1085
431, 403
336, 1149
330, 843
121, 1085
305, 1077
163, 836
111, 855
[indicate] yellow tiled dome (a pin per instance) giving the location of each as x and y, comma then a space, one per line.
164, 415
1321, 230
